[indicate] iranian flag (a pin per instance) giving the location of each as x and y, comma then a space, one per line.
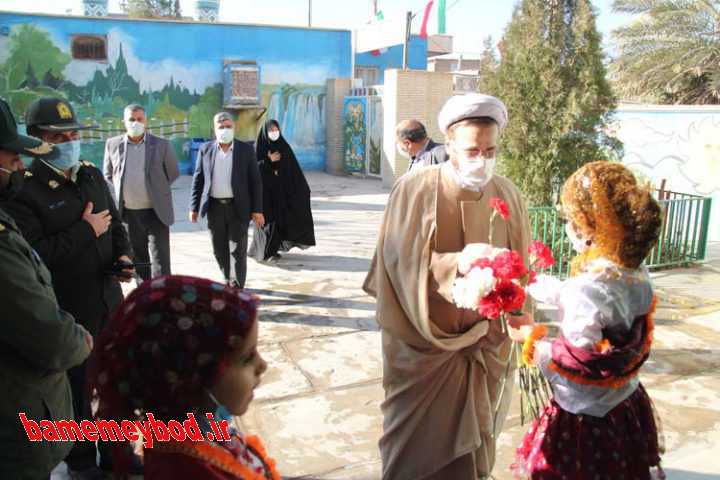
376, 53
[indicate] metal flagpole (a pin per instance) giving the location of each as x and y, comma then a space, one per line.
309, 13
406, 45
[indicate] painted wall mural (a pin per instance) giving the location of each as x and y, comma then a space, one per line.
375, 134
679, 144
175, 71
354, 134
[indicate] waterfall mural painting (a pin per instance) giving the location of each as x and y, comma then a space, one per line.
300, 111
174, 70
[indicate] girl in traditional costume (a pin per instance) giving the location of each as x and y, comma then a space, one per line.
600, 422
183, 345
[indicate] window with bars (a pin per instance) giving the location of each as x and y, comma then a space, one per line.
89, 47
369, 75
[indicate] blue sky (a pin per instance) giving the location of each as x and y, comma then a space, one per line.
468, 20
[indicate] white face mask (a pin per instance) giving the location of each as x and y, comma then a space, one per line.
578, 244
274, 135
134, 128
475, 173
224, 135
403, 153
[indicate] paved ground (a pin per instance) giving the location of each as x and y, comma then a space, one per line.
318, 408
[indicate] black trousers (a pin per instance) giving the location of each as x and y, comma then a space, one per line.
83, 454
150, 239
229, 237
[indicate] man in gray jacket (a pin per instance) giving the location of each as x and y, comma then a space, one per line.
142, 167
39, 342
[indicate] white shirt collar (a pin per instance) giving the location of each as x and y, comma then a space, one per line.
130, 142
229, 150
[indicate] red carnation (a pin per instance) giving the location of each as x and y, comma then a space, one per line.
540, 255
490, 306
500, 207
509, 266
512, 295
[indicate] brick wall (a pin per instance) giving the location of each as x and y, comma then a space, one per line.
337, 89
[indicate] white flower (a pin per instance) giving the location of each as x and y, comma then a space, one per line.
472, 252
469, 290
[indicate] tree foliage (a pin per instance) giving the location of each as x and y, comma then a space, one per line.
670, 53
552, 78
153, 8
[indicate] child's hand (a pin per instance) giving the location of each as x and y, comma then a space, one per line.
520, 334
546, 289
517, 321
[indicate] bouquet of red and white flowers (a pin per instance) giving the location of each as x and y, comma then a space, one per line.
492, 282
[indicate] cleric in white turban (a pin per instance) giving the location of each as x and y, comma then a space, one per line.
443, 365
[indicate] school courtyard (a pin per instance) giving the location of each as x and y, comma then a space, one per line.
318, 409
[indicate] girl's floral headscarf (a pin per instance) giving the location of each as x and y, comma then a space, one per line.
166, 343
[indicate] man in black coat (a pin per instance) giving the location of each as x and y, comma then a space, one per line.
67, 214
227, 188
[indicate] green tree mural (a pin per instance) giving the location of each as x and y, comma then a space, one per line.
201, 114
31, 46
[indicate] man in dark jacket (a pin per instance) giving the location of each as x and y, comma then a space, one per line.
38, 340
227, 188
414, 144
66, 212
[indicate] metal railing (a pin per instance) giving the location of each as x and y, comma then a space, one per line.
683, 236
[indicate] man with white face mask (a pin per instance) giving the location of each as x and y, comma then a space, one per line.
443, 365
141, 168
228, 189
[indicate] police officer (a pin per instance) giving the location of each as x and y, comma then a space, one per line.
66, 212
38, 340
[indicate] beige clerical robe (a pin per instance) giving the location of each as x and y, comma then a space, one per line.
442, 366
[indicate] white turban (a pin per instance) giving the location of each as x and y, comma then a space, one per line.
472, 105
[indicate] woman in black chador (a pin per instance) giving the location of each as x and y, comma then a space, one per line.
286, 194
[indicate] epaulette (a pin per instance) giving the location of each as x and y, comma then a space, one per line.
87, 164
2, 228
28, 174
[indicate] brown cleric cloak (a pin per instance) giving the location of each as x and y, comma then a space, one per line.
441, 387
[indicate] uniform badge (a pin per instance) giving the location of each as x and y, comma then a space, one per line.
28, 174
53, 184
42, 149
64, 111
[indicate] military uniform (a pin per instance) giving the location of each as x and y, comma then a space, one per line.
49, 212
39, 343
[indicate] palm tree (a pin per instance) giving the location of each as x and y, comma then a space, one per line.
670, 53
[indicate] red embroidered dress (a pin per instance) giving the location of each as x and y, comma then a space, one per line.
600, 423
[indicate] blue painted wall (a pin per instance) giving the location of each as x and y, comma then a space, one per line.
393, 57
175, 70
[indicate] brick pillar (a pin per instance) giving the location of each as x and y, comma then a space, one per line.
337, 89
411, 94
